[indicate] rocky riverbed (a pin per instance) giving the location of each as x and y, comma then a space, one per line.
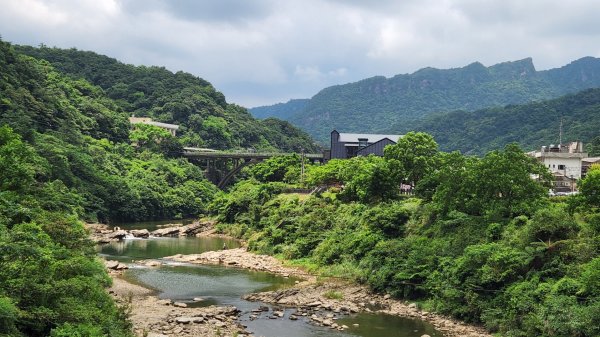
325, 301
154, 317
322, 302
100, 233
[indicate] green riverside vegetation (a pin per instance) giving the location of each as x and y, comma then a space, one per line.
480, 239
66, 155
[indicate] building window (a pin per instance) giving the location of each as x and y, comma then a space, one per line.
561, 167
362, 142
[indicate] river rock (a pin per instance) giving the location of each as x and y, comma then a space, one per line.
184, 320
425, 336
111, 264
169, 231
180, 305
121, 266
153, 263
314, 304
118, 235
140, 233
164, 302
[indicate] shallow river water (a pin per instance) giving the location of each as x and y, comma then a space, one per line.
225, 286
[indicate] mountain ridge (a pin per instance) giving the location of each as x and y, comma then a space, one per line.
375, 103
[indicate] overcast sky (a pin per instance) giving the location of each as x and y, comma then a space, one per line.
261, 52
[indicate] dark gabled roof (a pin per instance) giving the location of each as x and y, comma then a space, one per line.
371, 138
366, 148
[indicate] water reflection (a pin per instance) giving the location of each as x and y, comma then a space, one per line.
137, 249
225, 286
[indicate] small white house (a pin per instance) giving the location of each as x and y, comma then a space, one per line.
565, 159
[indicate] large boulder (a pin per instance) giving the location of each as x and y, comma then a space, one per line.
117, 235
140, 233
169, 231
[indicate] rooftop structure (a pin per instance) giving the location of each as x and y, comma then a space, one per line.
563, 158
172, 128
348, 145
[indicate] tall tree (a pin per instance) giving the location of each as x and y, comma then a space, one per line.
414, 154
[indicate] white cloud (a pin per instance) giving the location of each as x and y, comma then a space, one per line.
261, 51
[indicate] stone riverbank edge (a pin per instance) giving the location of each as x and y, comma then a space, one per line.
312, 297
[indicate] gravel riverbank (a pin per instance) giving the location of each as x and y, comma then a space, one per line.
323, 300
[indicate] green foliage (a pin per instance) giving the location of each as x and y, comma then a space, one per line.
8, 317
155, 139
589, 188
415, 154
482, 243
395, 105
497, 185
531, 125
369, 179
333, 295
204, 116
281, 168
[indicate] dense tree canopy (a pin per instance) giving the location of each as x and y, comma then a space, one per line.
204, 116
481, 240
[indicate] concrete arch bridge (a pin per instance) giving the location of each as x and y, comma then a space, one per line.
222, 166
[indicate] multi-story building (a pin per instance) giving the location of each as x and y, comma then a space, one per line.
565, 163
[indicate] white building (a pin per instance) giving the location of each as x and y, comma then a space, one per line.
564, 159
172, 128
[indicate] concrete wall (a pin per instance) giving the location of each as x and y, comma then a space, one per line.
572, 166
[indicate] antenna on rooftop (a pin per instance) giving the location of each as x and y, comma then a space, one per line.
560, 133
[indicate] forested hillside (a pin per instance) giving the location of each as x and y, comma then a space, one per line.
530, 125
280, 110
479, 240
206, 119
63, 156
66, 155
373, 104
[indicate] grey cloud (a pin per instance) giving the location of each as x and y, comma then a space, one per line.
194, 10
265, 51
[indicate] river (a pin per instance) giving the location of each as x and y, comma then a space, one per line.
225, 285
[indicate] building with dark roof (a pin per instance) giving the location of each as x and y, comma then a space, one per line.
348, 145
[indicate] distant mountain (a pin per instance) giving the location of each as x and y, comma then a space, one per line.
373, 104
279, 110
531, 125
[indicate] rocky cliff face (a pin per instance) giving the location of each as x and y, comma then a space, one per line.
376, 103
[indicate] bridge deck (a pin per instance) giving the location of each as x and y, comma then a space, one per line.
243, 155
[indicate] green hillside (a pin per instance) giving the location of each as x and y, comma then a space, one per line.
66, 155
206, 119
280, 110
531, 125
373, 104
